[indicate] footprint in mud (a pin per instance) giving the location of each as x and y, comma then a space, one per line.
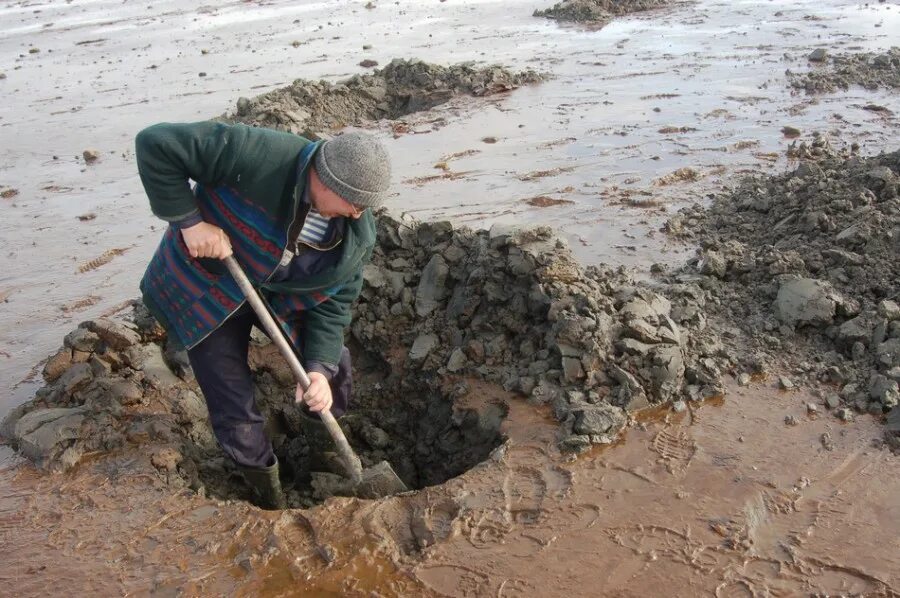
488, 528
413, 524
715, 559
575, 517
676, 447
833, 579
798, 576
655, 541
523, 505
453, 581
509, 588
527, 488
736, 589
434, 523
524, 489
766, 525
294, 532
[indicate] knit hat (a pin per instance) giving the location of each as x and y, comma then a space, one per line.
355, 166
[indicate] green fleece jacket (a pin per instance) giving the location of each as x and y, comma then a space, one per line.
250, 183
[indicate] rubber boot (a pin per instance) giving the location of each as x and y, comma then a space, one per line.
322, 454
266, 486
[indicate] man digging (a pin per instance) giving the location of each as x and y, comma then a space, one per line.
295, 214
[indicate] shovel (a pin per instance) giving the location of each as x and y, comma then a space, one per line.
373, 482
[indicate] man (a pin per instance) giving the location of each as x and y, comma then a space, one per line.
296, 215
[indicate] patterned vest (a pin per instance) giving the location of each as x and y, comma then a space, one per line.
192, 297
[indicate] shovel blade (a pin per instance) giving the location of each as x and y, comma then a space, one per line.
380, 480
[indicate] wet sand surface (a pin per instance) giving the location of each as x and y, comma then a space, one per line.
705, 501
724, 499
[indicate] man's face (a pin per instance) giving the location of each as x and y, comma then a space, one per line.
329, 203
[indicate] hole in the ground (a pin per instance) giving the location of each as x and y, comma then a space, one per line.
420, 430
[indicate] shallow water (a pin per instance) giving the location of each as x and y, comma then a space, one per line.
682, 503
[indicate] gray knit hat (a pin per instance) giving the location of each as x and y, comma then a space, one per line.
355, 166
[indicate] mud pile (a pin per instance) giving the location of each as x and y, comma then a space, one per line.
403, 86
597, 11
513, 306
439, 307
868, 69
806, 264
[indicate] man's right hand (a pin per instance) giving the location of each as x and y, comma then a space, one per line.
206, 240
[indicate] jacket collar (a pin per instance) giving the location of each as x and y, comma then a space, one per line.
304, 162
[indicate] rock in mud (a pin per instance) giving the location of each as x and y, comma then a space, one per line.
889, 310
892, 429
116, 335
432, 286
44, 434
805, 301
166, 459
57, 365
598, 421
423, 346
817, 55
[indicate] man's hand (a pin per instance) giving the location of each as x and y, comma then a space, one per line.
206, 240
318, 397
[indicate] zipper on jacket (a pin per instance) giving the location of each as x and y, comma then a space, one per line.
294, 207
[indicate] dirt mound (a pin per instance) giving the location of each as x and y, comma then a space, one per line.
597, 11
868, 69
403, 86
439, 307
513, 306
806, 264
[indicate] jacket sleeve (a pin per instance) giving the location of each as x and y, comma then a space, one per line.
324, 325
170, 154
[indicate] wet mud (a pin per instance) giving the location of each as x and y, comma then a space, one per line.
597, 12
805, 264
867, 69
569, 430
314, 108
509, 305
118, 390
698, 500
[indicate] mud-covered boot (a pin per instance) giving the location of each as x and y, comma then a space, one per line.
266, 486
323, 456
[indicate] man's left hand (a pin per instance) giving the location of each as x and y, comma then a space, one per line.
318, 396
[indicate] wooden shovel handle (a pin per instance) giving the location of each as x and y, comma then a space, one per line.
354, 465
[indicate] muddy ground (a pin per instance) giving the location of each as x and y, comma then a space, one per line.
700, 500
805, 265
491, 360
597, 12
507, 306
867, 69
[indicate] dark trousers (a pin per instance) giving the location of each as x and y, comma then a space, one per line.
220, 366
